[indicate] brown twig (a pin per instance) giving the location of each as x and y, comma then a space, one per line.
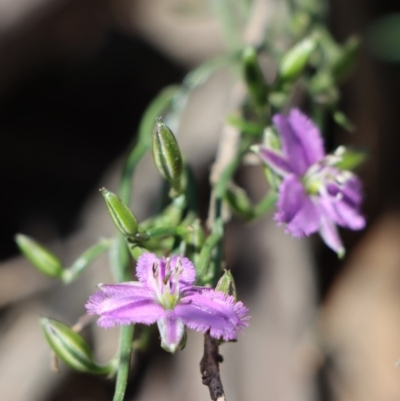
209, 368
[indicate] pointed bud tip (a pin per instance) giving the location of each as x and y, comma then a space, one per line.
226, 284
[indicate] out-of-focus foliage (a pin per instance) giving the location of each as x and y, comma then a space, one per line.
383, 38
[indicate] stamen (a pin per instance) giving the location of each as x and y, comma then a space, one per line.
166, 278
155, 269
343, 177
179, 267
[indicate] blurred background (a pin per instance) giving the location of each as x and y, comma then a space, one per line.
75, 78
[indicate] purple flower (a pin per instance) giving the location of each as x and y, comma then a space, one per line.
165, 294
314, 195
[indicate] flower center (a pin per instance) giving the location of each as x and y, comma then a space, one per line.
166, 282
323, 173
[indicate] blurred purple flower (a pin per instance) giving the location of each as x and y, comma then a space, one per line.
165, 294
314, 195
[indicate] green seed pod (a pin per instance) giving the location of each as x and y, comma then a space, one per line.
296, 59
71, 347
166, 154
226, 284
254, 77
123, 218
45, 261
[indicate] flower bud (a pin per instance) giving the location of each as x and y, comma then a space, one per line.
123, 218
71, 347
226, 284
48, 263
166, 154
254, 77
295, 60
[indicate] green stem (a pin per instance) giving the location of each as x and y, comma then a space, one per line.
121, 256
85, 260
125, 350
207, 251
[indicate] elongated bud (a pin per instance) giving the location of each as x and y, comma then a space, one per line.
123, 218
71, 347
45, 261
254, 77
166, 154
296, 59
226, 284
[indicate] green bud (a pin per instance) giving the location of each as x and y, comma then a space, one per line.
254, 77
166, 154
48, 263
123, 218
226, 284
296, 59
71, 347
